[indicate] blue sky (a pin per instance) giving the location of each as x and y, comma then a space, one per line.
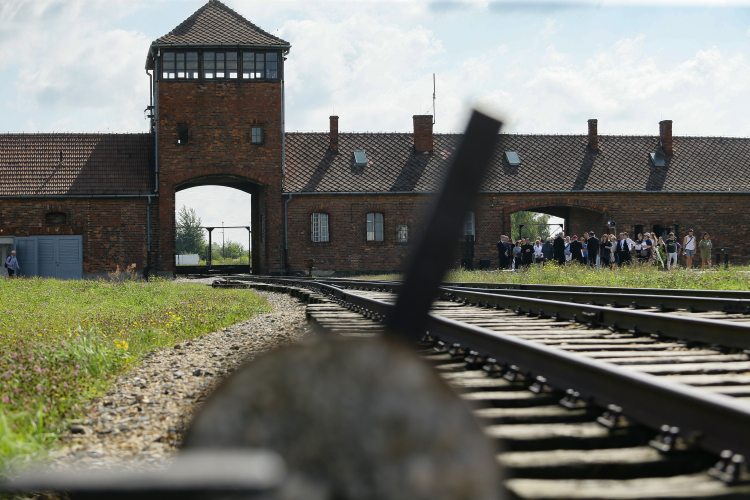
77, 65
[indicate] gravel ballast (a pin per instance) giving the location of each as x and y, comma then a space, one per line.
141, 421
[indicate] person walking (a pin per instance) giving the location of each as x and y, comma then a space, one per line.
593, 245
688, 249
11, 263
705, 247
559, 249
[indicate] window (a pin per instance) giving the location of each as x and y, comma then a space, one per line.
180, 65
402, 234
55, 218
375, 227
183, 135
512, 158
256, 135
469, 224
360, 158
319, 227
260, 65
220, 65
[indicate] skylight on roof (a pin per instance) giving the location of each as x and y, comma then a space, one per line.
658, 160
360, 158
513, 158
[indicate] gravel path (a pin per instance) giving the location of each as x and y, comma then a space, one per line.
140, 422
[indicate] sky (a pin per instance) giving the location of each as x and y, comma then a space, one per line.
543, 67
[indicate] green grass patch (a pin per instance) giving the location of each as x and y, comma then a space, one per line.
62, 342
635, 276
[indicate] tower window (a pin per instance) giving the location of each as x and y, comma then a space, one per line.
319, 227
180, 65
375, 226
260, 65
183, 135
219, 65
256, 135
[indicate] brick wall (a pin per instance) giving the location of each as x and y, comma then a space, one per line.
724, 217
219, 116
113, 229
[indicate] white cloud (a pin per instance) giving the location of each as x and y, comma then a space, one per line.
67, 62
359, 67
630, 91
550, 28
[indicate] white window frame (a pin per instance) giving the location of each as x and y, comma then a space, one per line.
319, 227
374, 226
402, 233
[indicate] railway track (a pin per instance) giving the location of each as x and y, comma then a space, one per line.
590, 393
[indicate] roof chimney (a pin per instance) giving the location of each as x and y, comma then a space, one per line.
665, 134
593, 135
423, 133
334, 134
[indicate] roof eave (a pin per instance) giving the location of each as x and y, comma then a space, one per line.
238, 45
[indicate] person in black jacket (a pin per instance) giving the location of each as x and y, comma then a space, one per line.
593, 248
559, 246
527, 252
576, 250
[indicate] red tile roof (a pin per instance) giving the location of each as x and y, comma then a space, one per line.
215, 23
76, 164
548, 163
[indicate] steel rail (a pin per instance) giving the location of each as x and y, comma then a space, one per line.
665, 302
713, 421
708, 331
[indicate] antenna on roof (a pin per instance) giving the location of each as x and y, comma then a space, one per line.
433, 99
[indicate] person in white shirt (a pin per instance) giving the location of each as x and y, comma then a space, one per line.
688, 249
624, 246
12, 264
538, 256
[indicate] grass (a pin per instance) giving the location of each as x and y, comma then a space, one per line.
62, 342
635, 276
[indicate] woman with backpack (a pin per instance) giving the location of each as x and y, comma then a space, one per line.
11, 263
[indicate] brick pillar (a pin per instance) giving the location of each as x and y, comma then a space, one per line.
334, 134
423, 133
665, 134
593, 135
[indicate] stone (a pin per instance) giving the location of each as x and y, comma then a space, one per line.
355, 419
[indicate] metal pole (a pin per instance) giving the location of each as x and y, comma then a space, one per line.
249, 250
223, 247
210, 248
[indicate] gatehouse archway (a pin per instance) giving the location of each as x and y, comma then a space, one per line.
246, 231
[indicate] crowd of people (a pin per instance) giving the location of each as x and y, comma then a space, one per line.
608, 252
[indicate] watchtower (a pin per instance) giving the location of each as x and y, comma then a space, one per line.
218, 119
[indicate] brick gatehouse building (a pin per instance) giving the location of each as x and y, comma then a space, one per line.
78, 205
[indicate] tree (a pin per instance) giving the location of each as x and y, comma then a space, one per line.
526, 219
190, 235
